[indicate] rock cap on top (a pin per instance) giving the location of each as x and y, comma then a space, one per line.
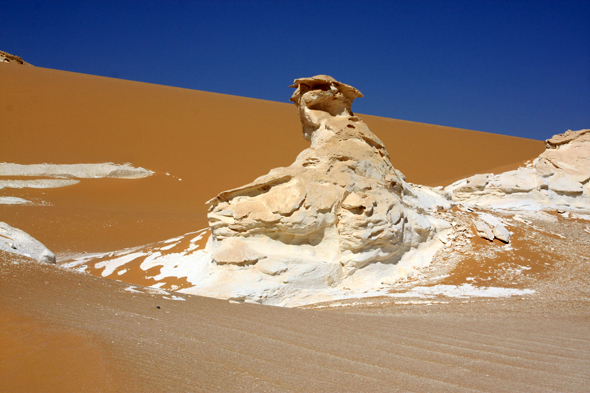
566, 137
313, 81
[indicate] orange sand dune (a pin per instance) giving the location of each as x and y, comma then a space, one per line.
212, 142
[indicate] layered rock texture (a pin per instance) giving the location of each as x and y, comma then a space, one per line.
8, 58
558, 178
340, 207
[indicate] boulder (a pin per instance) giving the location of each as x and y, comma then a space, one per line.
19, 242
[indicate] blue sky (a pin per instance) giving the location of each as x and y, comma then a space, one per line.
517, 68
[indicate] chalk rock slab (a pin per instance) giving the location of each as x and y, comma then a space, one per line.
483, 230
501, 233
19, 242
235, 251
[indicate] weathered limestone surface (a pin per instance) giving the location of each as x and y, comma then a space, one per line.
558, 178
501, 233
16, 241
8, 58
340, 207
483, 230
341, 199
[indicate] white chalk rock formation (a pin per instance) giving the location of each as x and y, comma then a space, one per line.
16, 241
558, 178
340, 210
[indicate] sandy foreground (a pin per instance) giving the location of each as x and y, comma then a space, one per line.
63, 331
67, 331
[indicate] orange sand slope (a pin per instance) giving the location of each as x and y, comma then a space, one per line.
211, 141
78, 333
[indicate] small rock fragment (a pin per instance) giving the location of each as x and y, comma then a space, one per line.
47, 256
501, 233
443, 238
483, 230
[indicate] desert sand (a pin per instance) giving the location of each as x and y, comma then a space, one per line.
68, 331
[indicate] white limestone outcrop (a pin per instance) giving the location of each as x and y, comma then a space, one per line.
19, 242
340, 215
558, 178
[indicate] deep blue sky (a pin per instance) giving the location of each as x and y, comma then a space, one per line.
510, 67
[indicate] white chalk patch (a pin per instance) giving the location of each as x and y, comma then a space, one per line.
174, 239
169, 247
464, 291
14, 201
196, 239
193, 267
81, 269
111, 265
173, 297
39, 183
79, 171
156, 291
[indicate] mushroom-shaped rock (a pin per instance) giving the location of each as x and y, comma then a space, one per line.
340, 207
